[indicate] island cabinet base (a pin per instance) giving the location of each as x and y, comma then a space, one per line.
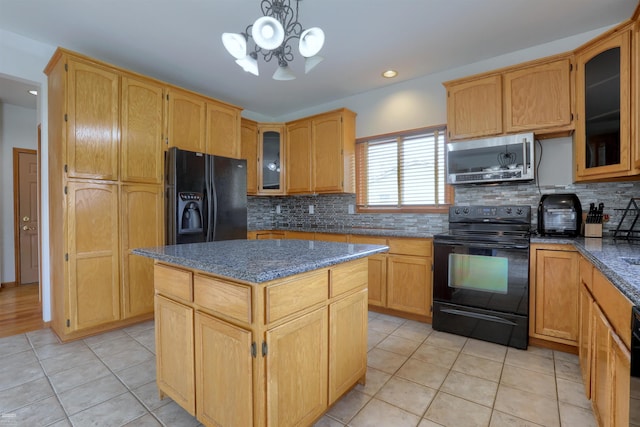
277, 353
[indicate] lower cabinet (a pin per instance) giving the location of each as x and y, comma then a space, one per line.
235, 354
409, 284
554, 291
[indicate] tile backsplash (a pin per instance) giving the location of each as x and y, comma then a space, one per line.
332, 211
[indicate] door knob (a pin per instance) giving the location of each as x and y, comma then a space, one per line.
25, 219
25, 228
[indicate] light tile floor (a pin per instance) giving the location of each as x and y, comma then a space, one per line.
416, 377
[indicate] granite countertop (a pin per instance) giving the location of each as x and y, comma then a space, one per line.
608, 255
258, 261
364, 231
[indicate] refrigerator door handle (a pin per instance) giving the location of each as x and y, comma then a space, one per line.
207, 185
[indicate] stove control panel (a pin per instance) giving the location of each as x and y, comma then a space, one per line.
508, 213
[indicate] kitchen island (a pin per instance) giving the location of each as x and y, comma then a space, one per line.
260, 332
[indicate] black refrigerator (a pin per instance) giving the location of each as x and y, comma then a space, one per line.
205, 197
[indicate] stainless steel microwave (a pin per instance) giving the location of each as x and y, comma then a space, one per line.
499, 159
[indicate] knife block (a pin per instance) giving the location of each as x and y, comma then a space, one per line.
593, 230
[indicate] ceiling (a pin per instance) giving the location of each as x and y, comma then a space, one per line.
178, 41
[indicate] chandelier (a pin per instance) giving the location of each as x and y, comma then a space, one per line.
272, 35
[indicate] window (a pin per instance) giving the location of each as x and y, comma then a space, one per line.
403, 172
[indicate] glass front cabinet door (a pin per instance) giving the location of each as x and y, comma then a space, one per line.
271, 161
603, 85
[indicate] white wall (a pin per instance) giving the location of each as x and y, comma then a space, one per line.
18, 129
25, 59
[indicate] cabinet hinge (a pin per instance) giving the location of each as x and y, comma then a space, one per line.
66, 190
68, 323
431, 266
254, 351
66, 68
264, 348
66, 257
167, 97
570, 67
572, 117
66, 168
66, 118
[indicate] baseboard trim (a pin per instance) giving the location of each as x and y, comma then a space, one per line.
8, 285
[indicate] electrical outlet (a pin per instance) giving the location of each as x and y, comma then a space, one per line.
352, 210
278, 210
311, 209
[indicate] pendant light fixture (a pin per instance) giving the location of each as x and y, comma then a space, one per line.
272, 35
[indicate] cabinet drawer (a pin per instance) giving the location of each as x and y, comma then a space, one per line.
349, 276
229, 299
173, 282
615, 306
295, 295
366, 240
418, 247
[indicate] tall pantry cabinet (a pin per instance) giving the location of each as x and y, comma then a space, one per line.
105, 190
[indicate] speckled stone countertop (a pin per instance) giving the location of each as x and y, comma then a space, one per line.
258, 261
365, 231
608, 255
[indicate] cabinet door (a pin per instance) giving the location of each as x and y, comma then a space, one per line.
93, 268
601, 379
299, 157
93, 122
142, 225
538, 97
141, 131
621, 387
327, 161
186, 119
271, 159
636, 95
603, 87
249, 151
474, 108
297, 369
585, 337
224, 373
347, 343
223, 130
377, 271
409, 286
175, 373
556, 295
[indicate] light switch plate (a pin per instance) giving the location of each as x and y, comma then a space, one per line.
352, 210
278, 209
311, 209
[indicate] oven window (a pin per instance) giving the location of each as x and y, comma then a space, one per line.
478, 272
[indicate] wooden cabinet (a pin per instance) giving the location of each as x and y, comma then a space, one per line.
141, 211
377, 270
299, 157
538, 97
331, 237
93, 255
321, 153
534, 96
223, 359
296, 370
554, 289
603, 127
275, 354
249, 151
92, 119
223, 130
635, 77
141, 145
474, 107
585, 327
175, 368
271, 159
186, 120
409, 284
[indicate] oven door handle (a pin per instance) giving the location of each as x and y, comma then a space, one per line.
479, 316
484, 245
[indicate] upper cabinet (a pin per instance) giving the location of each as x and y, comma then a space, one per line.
141, 131
535, 96
474, 107
603, 125
92, 120
249, 151
186, 120
321, 153
538, 97
271, 150
223, 130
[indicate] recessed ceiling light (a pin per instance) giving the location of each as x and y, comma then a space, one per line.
33, 92
389, 74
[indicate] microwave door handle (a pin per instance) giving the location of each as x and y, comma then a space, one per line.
524, 156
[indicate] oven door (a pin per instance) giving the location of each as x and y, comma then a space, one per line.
481, 290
